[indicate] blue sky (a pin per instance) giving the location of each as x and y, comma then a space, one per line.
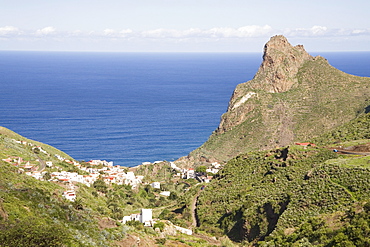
182, 26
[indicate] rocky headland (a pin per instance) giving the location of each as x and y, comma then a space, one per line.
293, 97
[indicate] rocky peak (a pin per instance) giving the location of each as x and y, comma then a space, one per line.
280, 65
260, 116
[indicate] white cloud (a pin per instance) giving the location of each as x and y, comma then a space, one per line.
242, 32
125, 32
321, 31
117, 34
45, 31
161, 33
201, 39
318, 30
305, 32
361, 32
9, 30
219, 32
109, 32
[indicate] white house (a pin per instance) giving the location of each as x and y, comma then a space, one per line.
212, 170
216, 165
130, 176
190, 173
156, 185
146, 216
165, 193
125, 219
69, 195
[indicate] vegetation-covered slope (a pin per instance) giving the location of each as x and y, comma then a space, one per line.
34, 212
293, 194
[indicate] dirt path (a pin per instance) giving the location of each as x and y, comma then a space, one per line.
193, 208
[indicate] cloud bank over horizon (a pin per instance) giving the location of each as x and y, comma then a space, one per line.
167, 36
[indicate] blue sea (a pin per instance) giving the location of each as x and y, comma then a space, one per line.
128, 108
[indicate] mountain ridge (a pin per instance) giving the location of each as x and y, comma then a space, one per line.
293, 97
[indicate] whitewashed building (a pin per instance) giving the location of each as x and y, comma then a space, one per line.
165, 193
145, 217
156, 185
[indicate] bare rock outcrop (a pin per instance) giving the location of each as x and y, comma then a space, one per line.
280, 65
293, 97
277, 74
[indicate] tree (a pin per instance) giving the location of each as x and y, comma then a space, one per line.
201, 169
77, 204
100, 185
47, 176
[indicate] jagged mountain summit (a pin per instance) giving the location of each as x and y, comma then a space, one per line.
292, 97
280, 65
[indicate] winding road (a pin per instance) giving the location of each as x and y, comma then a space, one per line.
42, 164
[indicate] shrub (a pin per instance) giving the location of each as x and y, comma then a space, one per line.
33, 232
159, 225
160, 241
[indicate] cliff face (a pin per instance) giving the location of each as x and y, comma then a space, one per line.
277, 74
292, 97
281, 61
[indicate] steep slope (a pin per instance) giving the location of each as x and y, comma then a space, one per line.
292, 97
34, 211
294, 195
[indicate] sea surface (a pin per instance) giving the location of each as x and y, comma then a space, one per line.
128, 108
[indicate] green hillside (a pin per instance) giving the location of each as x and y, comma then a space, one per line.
294, 195
281, 197
34, 213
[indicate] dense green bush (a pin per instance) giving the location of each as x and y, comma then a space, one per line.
352, 229
34, 232
356, 129
261, 193
160, 225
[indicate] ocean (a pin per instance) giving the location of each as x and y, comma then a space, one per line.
128, 108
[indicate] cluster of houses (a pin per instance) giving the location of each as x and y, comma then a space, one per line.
98, 169
106, 171
109, 173
190, 173
146, 217
157, 185
34, 147
95, 169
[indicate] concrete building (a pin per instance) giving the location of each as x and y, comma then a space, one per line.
146, 216
156, 185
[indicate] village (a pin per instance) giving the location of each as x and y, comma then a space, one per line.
94, 170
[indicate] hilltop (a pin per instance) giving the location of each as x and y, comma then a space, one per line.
292, 98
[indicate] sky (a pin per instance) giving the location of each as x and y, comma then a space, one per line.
182, 25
